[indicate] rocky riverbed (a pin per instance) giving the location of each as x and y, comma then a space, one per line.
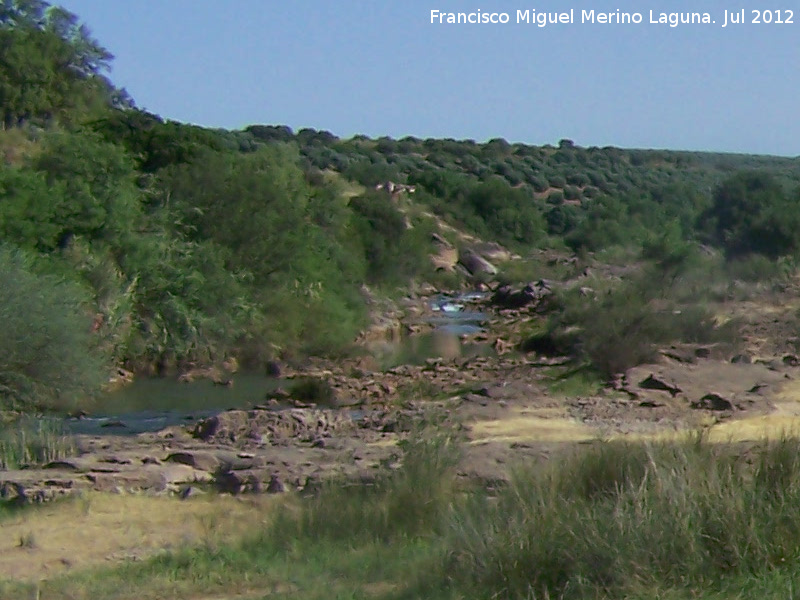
508, 405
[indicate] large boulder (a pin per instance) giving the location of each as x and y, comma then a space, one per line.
476, 264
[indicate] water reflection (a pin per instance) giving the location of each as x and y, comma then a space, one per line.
152, 404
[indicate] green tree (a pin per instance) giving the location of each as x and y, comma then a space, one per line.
100, 199
751, 213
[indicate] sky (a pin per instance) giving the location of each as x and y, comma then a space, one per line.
381, 68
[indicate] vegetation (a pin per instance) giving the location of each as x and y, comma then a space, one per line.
677, 519
47, 355
186, 245
27, 442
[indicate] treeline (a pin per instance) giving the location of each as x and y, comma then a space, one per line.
582, 198
158, 245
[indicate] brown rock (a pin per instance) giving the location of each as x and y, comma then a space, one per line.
714, 402
651, 382
204, 461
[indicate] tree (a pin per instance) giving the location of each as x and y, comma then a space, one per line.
50, 66
751, 213
100, 198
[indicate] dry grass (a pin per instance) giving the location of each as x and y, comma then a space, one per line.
102, 528
544, 425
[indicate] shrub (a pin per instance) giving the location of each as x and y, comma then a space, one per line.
624, 326
557, 181
48, 358
752, 213
402, 503
571, 192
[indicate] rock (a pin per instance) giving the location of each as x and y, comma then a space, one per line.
446, 255
502, 346
279, 394
142, 479
475, 264
189, 491
650, 404
681, 355
229, 482
494, 252
741, 359
713, 401
651, 382
475, 398
275, 485
204, 461
207, 428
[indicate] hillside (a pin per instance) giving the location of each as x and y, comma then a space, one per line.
183, 246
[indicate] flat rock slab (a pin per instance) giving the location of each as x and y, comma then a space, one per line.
741, 384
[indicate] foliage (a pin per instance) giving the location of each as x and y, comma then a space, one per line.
48, 358
751, 213
624, 516
313, 389
622, 326
50, 66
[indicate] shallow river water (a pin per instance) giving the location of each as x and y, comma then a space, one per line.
150, 404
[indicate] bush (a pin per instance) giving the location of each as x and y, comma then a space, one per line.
625, 326
48, 357
572, 192
555, 198
557, 181
752, 214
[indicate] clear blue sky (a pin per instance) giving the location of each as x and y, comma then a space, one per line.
379, 67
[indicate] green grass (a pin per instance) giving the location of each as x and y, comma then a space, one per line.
571, 381
615, 520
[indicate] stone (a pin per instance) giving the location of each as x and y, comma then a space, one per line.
229, 482
651, 382
275, 485
713, 401
204, 461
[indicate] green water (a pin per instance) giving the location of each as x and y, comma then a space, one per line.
149, 404
167, 393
